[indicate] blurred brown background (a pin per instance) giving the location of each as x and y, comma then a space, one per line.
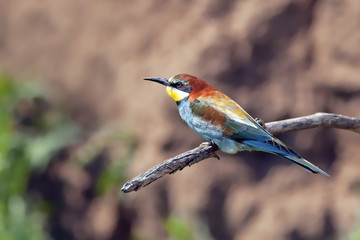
278, 59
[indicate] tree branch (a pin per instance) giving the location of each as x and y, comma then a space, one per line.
208, 150
313, 121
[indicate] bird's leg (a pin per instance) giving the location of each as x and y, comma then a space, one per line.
214, 153
212, 143
260, 122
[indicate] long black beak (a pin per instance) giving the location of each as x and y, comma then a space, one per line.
162, 81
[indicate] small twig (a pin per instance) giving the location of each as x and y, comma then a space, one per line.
208, 150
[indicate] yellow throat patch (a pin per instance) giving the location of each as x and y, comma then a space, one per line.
176, 94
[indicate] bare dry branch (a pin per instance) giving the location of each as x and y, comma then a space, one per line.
313, 121
208, 150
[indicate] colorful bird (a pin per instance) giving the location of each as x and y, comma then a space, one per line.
220, 120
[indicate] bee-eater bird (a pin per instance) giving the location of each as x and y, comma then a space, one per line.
220, 120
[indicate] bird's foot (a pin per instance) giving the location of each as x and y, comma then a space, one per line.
214, 153
260, 122
212, 143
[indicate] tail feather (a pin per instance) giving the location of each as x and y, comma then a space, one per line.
306, 164
276, 147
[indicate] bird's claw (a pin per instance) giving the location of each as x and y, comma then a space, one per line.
212, 143
260, 122
216, 156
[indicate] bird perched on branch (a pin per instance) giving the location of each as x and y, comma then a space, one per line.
220, 120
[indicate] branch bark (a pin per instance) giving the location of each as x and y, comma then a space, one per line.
208, 150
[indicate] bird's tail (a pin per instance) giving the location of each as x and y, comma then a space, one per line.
275, 146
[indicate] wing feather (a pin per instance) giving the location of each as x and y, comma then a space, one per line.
239, 124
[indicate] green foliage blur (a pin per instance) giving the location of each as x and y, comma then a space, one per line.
178, 229
32, 132
28, 138
354, 234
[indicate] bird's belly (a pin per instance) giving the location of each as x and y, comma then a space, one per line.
208, 130
215, 134
204, 128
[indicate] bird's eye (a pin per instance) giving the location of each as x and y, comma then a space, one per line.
179, 85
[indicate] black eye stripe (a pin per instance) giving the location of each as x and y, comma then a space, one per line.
176, 85
181, 86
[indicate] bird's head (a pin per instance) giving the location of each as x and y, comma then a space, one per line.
183, 86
